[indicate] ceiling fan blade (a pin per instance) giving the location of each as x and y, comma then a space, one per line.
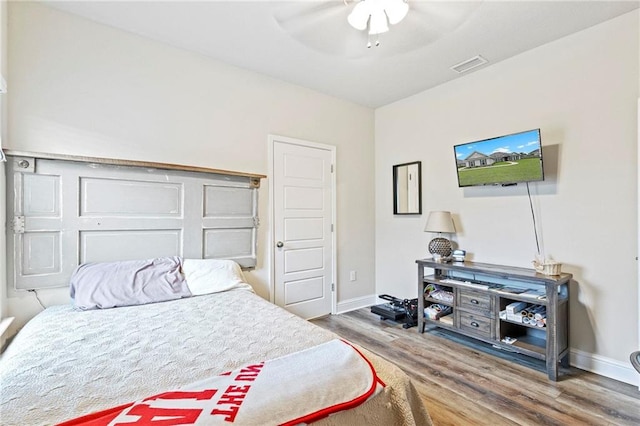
442, 16
340, 40
293, 15
321, 26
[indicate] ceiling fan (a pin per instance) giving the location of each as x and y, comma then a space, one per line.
348, 27
375, 15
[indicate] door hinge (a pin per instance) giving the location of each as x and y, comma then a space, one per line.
332, 227
332, 168
333, 287
18, 225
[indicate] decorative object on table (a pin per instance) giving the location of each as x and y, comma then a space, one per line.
407, 188
546, 266
458, 255
440, 222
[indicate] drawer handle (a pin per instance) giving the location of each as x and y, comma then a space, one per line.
474, 301
475, 324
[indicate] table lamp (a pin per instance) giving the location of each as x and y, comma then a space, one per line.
440, 223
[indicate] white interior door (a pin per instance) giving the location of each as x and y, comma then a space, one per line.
303, 239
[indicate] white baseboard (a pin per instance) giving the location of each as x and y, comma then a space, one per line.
357, 303
623, 372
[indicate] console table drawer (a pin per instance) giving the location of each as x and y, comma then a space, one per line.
474, 301
475, 323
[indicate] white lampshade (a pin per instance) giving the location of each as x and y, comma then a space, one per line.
440, 222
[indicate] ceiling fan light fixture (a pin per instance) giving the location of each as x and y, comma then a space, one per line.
359, 16
396, 10
378, 23
377, 14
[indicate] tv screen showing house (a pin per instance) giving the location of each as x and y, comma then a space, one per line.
502, 160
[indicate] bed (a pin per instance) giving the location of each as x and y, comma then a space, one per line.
67, 363
117, 342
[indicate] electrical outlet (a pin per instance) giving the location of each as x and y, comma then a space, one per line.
353, 275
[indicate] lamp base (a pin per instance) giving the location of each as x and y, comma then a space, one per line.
440, 246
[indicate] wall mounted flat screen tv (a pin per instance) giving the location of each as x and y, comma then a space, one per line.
504, 160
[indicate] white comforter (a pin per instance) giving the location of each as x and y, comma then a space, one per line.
66, 363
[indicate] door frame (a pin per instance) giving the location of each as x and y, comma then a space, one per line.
272, 139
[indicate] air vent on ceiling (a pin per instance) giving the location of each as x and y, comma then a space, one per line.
469, 64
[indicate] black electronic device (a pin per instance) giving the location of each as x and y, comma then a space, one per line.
398, 309
389, 311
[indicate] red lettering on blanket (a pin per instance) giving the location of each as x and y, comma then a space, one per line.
238, 389
249, 373
198, 395
231, 399
234, 396
228, 398
245, 378
158, 416
230, 413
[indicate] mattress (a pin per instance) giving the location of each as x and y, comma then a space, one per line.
66, 363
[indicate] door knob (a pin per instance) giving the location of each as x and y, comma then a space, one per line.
279, 244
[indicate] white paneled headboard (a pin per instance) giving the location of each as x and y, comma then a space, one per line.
65, 210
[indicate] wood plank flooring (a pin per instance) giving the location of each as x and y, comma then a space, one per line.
478, 385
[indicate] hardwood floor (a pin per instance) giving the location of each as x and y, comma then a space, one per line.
479, 385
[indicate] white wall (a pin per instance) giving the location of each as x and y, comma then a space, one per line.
86, 89
582, 91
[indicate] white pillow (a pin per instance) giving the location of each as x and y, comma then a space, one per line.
206, 276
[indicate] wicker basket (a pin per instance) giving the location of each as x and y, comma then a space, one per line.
548, 268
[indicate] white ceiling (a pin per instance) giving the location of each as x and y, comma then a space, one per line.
309, 43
